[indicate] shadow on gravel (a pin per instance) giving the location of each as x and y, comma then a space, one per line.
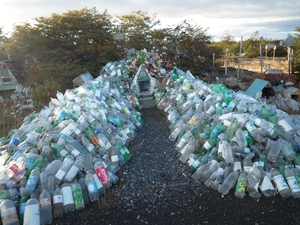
156, 188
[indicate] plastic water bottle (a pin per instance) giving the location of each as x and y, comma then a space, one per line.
280, 183
287, 150
68, 201
200, 171
84, 189
57, 200
78, 164
228, 182
45, 207
101, 172
8, 212
62, 171
292, 182
227, 152
241, 185
32, 212
240, 138
187, 150
253, 177
77, 196
266, 187
53, 167
274, 151
44, 178
32, 181
91, 187
51, 184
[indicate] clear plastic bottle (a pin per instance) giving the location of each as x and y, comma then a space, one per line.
43, 178
280, 183
200, 171
183, 140
253, 178
241, 185
23, 182
51, 184
45, 207
84, 189
228, 182
240, 138
187, 150
292, 182
78, 164
53, 167
62, 171
91, 187
32, 181
214, 165
275, 149
77, 196
68, 201
227, 152
266, 187
9, 213
57, 200
247, 164
287, 150
32, 212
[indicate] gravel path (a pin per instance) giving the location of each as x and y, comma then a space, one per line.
156, 188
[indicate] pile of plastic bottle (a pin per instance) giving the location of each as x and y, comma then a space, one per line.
230, 140
65, 156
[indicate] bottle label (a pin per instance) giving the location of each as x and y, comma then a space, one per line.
193, 120
261, 164
250, 126
237, 166
207, 146
63, 153
60, 174
67, 195
22, 208
285, 125
241, 185
75, 153
57, 199
99, 185
280, 182
31, 183
92, 187
184, 149
102, 174
14, 168
71, 173
32, 214
247, 168
78, 197
9, 215
114, 158
294, 186
45, 202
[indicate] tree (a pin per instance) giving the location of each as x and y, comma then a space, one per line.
297, 50
3, 43
138, 29
62, 46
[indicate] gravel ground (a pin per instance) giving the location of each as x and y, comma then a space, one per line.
156, 188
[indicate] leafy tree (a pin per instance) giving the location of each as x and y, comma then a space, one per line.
64, 45
3, 43
138, 27
297, 50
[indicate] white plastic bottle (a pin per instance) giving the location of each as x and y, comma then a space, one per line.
32, 212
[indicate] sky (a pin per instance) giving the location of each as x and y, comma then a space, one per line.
273, 19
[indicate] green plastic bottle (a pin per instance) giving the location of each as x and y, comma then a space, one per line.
22, 204
40, 163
